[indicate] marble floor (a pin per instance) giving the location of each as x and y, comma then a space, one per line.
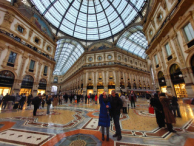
73, 124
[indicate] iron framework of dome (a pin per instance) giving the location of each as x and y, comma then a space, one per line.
90, 19
67, 53
134, 41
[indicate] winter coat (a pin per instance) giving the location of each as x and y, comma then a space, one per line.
169, 117
96, 97
132, 97
124, 100
104, 117
116, 105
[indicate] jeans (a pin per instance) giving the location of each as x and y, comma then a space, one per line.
125, 110
21, 104
132, 103
35, 109
48, 109
4, 104
176, 109
117, 124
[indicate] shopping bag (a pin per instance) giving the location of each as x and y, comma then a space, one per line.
151, 110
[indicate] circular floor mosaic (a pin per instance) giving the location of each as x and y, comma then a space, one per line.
79, 140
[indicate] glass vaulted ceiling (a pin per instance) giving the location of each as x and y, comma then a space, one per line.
67, 52
90, 19
134, 41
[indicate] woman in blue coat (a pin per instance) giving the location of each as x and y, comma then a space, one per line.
104, 117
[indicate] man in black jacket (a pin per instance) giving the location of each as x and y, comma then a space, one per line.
116, 105
36, 101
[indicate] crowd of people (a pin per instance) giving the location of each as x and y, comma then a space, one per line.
165, 106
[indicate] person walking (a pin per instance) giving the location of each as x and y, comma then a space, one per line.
48, 102
30, 97
116, 105
96, 98
156, 104
36, 102
4, 99
104, 117
89, 96
132, 98
175, 107
22, 101
1, 97
169, 117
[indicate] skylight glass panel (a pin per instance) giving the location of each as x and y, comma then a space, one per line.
134, 41
89, 14
69, 51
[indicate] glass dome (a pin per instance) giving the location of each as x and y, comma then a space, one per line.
90, 19
67, 53
134, 41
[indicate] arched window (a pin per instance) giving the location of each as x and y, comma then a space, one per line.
122, 85
192, 64
27, 82
129, 85
6, 78
161, 79
176, 74
42, 84
134, 86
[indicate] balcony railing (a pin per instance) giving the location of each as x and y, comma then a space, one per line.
16, 38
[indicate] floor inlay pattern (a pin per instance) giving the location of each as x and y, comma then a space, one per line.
30, 121
22, 137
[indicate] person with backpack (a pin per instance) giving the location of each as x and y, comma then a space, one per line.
104, 116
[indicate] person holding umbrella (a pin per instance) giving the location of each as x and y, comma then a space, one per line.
104, 116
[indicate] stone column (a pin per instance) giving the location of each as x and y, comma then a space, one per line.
84, 83
189, 86
117, 84
169, 84
95, 90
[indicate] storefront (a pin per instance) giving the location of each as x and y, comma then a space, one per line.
129, 85
178, 81
90, 89
27, 85
111, 86
6, 82
42, 86
162, 82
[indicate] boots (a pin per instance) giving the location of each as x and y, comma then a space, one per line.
107, 138
102, 137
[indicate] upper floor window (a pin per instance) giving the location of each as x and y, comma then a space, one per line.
189, 32
31, 68
45, 70
168, 51
156, 59
125, 59
12, 58
90, 59
119, 57
109, 57
48, 48
99, 57
37, 40
20, 29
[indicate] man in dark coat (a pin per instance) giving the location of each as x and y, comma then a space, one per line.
36, 101
175, 106
116, 105
22, 100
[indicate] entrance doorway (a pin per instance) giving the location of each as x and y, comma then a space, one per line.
100, 91
5, 90
90, 91
6, 82
26, 91
41, 91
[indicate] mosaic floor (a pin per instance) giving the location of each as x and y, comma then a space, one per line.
77, 125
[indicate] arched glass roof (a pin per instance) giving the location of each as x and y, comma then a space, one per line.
67, 52
90, 19
134, 41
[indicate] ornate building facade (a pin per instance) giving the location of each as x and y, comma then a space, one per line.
27, 48
103, 67
170, 33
